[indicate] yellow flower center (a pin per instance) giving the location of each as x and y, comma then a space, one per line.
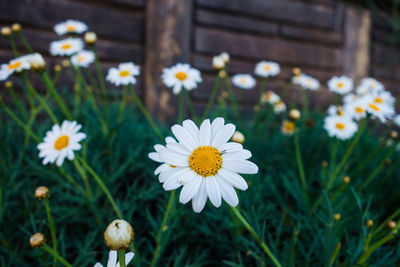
181, 76
205, 161
359, 110
124, 73
243, 80
14, 65
378, 100
267, 67
340, 84
340, 126
66, 46
339, 111
70, 28
288, 126
81, 58
374, 107
61, 142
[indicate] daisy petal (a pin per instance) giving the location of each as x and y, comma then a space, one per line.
240, 166
189, 190
227, 192
233, 179
213, 192
205, 133
200, 199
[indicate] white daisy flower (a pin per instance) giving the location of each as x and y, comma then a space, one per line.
70, 26
341, 127
270, 97
61, 142
113, 259
396, 120
218, 62
83, 58
267, 68
66, 47
383, 97
372, 84
181, 76
279, 107
306, 82
225, 57
16, 65
356, 109
124, 74
340, 84
380, 111
205, 163
244, 81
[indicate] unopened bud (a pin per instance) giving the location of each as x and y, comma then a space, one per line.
324, 163
218, 63
238, 137
16, 27
294, 114
90, 38
6, 31
222, 74
337, 217
346, 179
256, 108
118, 235
296, 71
37, 62
65, 63
37, 240
392, 224
394, 134
369, 223
42, 192
225, 57
57, 68
9, 84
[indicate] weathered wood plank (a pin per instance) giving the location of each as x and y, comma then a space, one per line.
285, 10
111, 23
312, 35
255, 47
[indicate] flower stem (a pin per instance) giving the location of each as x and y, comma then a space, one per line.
146, 114
84, 178
25, 42
52, 227
56, 255
121, 258
300, 163
190, 104
211, 99
102, 186
13, 46
180, 107
255, 236
232, 96
162, 229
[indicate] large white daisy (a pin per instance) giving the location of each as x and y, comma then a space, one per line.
113, 259
341, 127
205, 163
61, 142
83, 58
124, 74
244, 81
66, 47
181, 76
267, 68
16, 65
70, 26
340, 84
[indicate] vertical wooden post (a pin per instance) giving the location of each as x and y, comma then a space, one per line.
356, 50
168, 34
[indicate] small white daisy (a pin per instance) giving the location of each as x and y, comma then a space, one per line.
83, 58
309, 83
66, 47
383, 97
205, 163
113, 259
218, 62
356, 109
70, 26
279, 107
244, 81
380, 111
16, 65
124, 74
372, 84
61, 142
270, 97
267, 68
341, 127
181, 76
340, 85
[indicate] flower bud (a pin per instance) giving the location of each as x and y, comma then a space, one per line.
222, 74
6, 31
369, 223
337, 217
65, 63
37, 62
90, 38
296, 71
118, 235
218, 63
37, 240
238, 137
392, 224
225, 57
57, 68
42, 192
324, 163
288, 127
346, 179
16, 27
394, 134
9, 84
294, 114
224, 94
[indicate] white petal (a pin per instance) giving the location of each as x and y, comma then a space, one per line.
205, 133
213, 192
161, 168
184, 137
216, 125
112, 258
233, 179
227, 192
240, 166
171, 184
189, 190
129, 257
173, 158
241, 154
179, 148
192, 129
200, 199
230, 147
155, 156
224, 134
174, 173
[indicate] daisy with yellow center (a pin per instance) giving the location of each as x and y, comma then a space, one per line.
267, 69
14, 66
270, 97
341, 127
83, 58
288, 127
356, 109
61, 142
70, 26
205, 163
66, 47
373, 85
124, 74
306, 82
244, 81
340, 84
378, 110
181, 76
279, 107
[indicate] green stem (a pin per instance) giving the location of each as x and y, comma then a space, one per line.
52, 227
146, 114
211, 99
367, 253
13, 46
18, 102
190, 104
55, 254
256, 236
263, 87
25, 42
122, 105
102, 186
180, 106
121, 258
55, 94
99, 72
384, 224
162, 229
232, 96
84, 178
300, 165
334, 254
